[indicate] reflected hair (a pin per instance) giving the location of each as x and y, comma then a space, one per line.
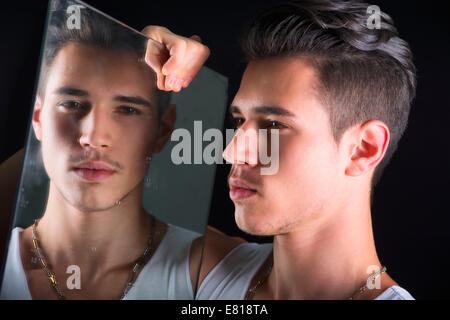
95, 30
363, 74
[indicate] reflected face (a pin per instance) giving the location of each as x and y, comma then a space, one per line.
97, 123
279, 94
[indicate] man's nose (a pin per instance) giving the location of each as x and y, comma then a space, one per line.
243, 148
96, 130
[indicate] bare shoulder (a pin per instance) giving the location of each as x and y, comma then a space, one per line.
214, 245
27, 250
386, 283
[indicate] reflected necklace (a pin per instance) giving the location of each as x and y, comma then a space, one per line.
132, 278
251, 291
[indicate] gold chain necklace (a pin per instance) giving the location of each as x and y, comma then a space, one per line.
251, 291
137, 266
369, 280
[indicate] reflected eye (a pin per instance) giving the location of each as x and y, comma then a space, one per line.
272, 124
71, 105
128, 110
237, 121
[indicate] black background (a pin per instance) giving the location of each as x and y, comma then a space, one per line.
410, 216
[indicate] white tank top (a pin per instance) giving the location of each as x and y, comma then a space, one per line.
231, 277
165, 276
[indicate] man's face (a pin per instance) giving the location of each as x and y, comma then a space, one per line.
279, 93
99, 105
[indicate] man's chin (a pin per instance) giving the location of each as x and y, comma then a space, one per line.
251, 222
88, 208
93, 206
87, 200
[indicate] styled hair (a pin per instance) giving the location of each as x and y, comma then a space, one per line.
363, 74
95, 30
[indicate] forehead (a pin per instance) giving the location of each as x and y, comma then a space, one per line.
100, 70
281, 81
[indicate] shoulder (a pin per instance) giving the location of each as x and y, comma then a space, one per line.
178, 232
15, 285
395, 292
216, 245
16, 241
390, 290
26, 249
231, 277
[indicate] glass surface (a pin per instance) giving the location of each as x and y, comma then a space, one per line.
98, 101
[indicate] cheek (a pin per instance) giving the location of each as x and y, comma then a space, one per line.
308, 169
59, 130
58, 137
135, 144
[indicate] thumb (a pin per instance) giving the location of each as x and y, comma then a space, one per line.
156, 56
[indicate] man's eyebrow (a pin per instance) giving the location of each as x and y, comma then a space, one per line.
70, 91
133, 100
234, 109
266, 110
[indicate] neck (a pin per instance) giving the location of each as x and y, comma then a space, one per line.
95, 241
326, 258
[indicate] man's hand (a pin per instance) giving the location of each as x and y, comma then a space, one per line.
175, 59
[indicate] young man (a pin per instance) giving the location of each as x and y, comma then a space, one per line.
339, 92
99, 118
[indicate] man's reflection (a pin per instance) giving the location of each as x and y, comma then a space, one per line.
99, 118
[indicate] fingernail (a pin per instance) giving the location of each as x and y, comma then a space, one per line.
178, 85
171, 83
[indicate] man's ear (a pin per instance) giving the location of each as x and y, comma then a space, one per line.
36, 121
166, 125
372, 139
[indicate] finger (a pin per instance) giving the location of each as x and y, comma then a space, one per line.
175, 82
170, 82
186, 82
162, 35
177, 52
161, 79
156, 55
154, 58
184, 58
155, 32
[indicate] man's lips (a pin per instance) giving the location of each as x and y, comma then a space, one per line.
240, 190
93, 170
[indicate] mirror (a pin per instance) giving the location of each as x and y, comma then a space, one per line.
116, 215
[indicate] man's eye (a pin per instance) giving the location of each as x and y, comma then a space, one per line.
71, 105
128, 110
272, 124
237, 122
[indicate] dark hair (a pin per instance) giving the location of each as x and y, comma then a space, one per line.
364, 74
95, 30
